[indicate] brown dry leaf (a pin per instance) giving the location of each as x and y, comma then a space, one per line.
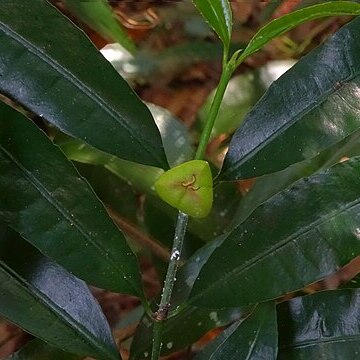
11, 338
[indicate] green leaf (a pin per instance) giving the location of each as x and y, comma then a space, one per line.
187, 274
219, 16
177, 145
38, 350
268, 185
254, 337
141, 177
297, 237
324, 326
188, 187
98, 15
59, 75
47, 301
311, 107
226, 201
44, 198
287, 22
112, 191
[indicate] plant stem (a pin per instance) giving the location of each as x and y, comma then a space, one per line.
161, 315
214, 109
157, 344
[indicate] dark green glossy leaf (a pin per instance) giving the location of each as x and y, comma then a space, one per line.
311, 107
219, 15
226, 200
287, 22
111, 190
47, 301
177, 144
297, 237
98, 15
187, 274
270, 184
38, 350
65, 80
44, 198
324, 326
252, 338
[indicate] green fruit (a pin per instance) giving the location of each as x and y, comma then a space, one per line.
188, 187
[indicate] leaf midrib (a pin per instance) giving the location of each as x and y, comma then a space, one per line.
317, 342
77, 83
284, 27
221, 21
288, 125
215, 351
282, 244
253, 344
52, 307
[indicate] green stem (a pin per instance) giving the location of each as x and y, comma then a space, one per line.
161, 315
214, 109
157, 344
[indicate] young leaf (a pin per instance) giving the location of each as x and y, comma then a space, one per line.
298, 236
287, 22
177, 146
141, 177
188, 187
323, 326
219, 15
310, 108
254, 337
38, 350
47, 301
98, 15
44, 198
59, 75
